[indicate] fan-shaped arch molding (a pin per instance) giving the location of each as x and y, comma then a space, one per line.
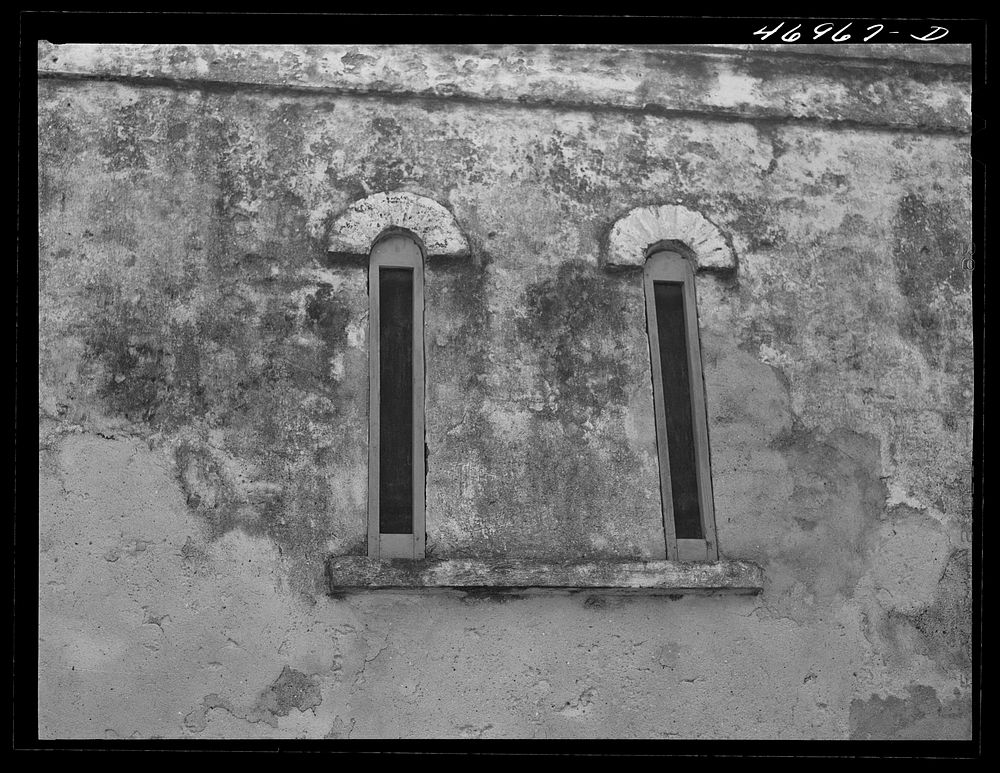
633, 235
357, 228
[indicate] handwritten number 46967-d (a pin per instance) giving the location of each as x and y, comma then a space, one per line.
841, 35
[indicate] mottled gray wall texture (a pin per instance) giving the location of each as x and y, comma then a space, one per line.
203, 390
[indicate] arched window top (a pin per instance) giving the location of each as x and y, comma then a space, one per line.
644, 229
668, 264
410, 257
365, 222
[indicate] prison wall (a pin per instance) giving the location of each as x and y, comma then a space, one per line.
203, 390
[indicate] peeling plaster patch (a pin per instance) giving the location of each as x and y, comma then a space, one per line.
920, 716
292, 689
170, 604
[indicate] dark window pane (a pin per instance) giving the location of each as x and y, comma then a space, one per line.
396, 400
670, 329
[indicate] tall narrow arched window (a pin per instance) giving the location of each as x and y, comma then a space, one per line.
679, 407
396, 399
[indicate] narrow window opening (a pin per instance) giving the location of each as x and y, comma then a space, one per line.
679, 408
396, 421
396, 400
676, 378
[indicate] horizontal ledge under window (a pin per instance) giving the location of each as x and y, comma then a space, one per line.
347, 574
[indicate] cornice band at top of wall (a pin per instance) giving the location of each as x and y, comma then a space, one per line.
712, 82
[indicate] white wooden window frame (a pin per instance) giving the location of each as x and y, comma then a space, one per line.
396, 250
664, 265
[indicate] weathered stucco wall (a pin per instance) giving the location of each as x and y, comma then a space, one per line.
203, 388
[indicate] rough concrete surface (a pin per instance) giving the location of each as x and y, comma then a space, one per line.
203, 388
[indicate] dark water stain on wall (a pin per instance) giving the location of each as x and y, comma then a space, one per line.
396, 152
125, 339
575, 168
757, 218
206, 487
283, 412
458, 293
547, 491
283, 501
570, 317
190, 304
927, 249
327, 318
122, 140
276, 409
921, 715
836, 502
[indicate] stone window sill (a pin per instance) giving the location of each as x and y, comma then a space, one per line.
352, 574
